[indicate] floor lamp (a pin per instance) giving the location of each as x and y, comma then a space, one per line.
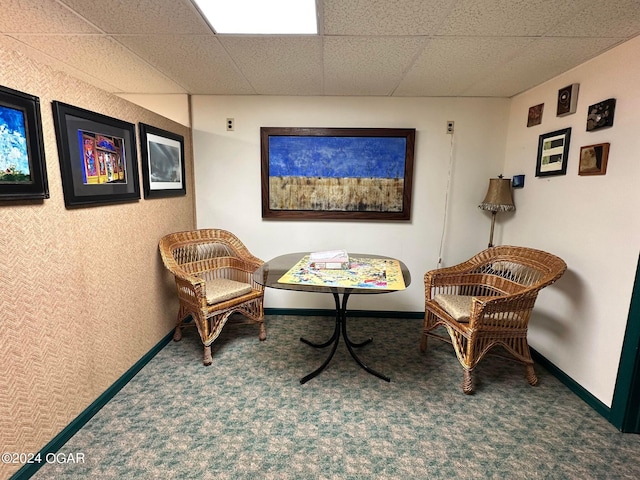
498, 199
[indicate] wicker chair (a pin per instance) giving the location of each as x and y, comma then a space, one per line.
214, 277
487, 302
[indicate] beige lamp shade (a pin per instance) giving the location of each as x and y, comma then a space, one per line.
498, 198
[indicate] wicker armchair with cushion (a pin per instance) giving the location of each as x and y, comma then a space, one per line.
487, 302
214, 276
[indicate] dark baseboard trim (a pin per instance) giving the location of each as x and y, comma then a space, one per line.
317, 312
572, 385
70, 430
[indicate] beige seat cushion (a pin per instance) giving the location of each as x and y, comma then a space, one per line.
222, 289
458, 306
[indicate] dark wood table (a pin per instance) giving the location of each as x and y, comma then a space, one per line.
269, 274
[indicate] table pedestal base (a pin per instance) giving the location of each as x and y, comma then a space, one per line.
340, 328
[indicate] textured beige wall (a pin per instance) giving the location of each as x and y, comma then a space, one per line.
83, 294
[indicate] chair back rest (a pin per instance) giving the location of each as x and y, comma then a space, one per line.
523, 268
191, 251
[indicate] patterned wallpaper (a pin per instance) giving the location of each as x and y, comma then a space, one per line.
83, 293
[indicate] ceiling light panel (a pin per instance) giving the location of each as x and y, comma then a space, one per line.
261, 17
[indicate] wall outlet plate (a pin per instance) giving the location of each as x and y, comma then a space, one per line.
450, 124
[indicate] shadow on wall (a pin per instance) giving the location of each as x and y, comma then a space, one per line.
572, 288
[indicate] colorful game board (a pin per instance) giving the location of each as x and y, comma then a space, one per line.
374, 273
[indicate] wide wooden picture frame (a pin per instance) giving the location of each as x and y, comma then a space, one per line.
594, 159
23, 172
163, 171
553, 153
98, 157
337, 173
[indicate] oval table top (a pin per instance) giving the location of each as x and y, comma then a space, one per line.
270, 272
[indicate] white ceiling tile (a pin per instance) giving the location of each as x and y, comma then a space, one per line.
278, 65
43, 16
542, 60
103, 58
55, 64
371, 66
620, 18
506, 17
384, 17
197, 62
366, 47
450, 65
142, 16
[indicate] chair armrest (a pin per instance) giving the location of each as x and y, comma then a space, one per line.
185, 278
251, 264
504, 311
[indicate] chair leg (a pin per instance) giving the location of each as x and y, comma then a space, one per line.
423, 342
177, 334
263, 332
467, 383
207, 359
531, 376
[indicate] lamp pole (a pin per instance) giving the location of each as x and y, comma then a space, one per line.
493, 223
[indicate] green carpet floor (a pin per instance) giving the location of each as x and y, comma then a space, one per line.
248, 417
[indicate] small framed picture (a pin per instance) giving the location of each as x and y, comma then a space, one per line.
535, 115
600, 115
567, 100
98, 157
23, 173
162, 162
553, 152
593, 159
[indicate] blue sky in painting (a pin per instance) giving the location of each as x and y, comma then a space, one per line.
13, 141
344, 157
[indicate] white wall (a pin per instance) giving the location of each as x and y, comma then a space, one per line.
592, 222
228, 195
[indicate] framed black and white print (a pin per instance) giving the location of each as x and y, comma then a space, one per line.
163, 172
553, 152
98, 157
23, 173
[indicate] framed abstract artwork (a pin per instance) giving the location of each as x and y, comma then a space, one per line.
567, 100
337, 173
162, 162
553, 153
535, 115
600, 115
98, 159
23, 173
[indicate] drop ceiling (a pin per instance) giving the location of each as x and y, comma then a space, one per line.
402, 48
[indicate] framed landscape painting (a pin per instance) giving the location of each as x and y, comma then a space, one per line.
162, 162
98, 157
23, 174
337, 173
